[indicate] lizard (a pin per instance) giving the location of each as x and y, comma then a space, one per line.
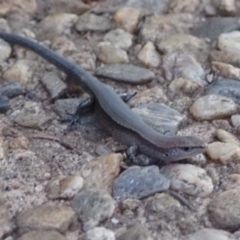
114, 114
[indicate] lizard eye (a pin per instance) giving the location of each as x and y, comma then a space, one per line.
186, 149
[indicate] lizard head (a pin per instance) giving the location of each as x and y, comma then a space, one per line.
183, 147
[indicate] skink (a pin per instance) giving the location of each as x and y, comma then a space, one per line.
115, 115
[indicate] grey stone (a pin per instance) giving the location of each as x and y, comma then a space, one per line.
4, 104
137, 182
11, 90
125, 73
93, 206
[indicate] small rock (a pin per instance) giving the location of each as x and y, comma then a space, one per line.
32, 115
64, 187
5, 51
225, 70
210, 234
226, 57
212, 107
187, 44
92, 207
212, 27
169, 24
224, 210
127, 18
64, 106
6, 227
100, 233
119, 38
232, 182
92, 22
225, 87
137, 231
223, 152
100, 174
137, 183
19, 142
160, 117
163, 206
182, 86
226, 7
183, 65
149, 55
188, 179
45, 217
126, 73
150, 5
110, 54
57, 24
184, 6
11, 90
4, 104
29, 7
227, 137
22, 71
155, 94
229, 42
54, 84
42, 234
235, 119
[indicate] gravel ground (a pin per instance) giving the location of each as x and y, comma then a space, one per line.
182, 61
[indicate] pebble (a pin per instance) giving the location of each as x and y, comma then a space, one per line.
100, 233
181, 86
224, 210
101, 173
210, 234
127, 18
92, 207
223, 152
137, 231
19, 142
154, 94
235, 120
11, 90
212, 27
149, 55
5, 50
6, 227
46, 217
29, 7
42, 234
22, 71
64, 106
225, 70
64, 187
54, 84
225, 87
226, 57
169, 23
57, 24
188, 179
212, 107
232, 182
32, 115
119, 38
5, 104
229, 42
92, 22
227, 137
150, 5
181, 65
111, 54
187, 44
126, 73
184, 6
139, 182
159, 116
163, 206
226, 7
